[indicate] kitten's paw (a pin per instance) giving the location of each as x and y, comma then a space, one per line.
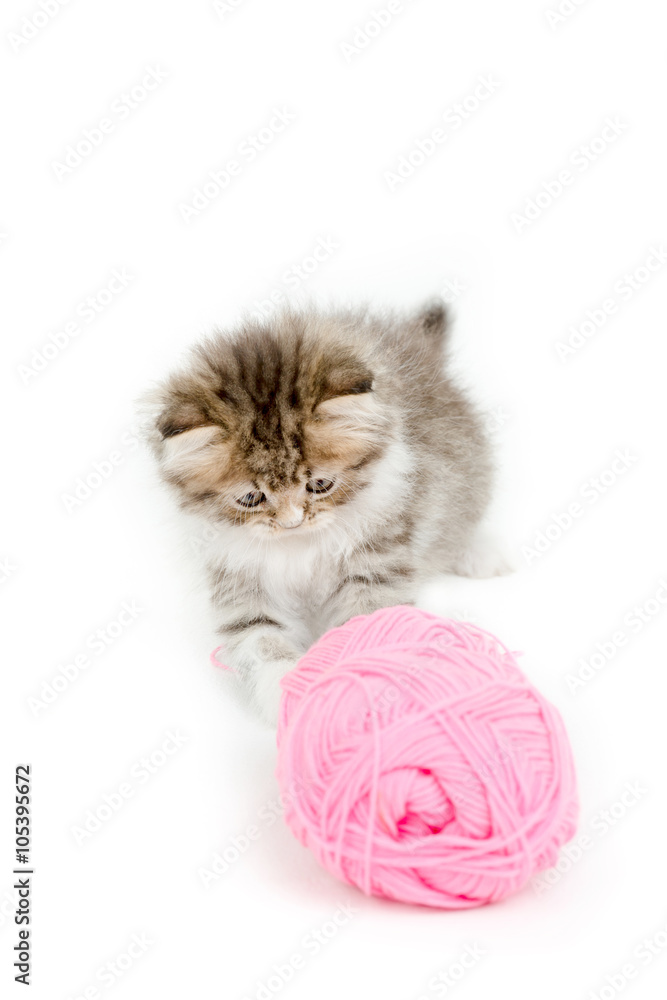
484, 558
267, 691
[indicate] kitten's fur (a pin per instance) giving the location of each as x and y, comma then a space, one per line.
361, 400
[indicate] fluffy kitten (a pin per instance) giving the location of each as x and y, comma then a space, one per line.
340, 465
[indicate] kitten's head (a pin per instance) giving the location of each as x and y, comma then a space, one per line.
277, 426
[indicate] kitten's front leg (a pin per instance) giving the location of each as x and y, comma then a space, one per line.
261, 647
361, 593
483, 557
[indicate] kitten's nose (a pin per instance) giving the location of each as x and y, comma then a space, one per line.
291, 518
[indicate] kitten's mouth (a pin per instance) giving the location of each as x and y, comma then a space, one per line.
282, 530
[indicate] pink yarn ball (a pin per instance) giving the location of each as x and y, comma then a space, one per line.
420, 764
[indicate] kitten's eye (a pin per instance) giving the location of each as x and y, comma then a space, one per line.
253, 499
319, 485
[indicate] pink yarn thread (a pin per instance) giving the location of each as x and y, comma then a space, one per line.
215, 662
427, 768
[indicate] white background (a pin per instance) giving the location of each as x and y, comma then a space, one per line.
557, 424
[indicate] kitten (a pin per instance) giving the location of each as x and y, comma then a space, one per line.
340, 465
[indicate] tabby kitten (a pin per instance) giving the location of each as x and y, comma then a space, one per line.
340, 465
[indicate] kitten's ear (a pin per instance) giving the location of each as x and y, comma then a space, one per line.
346, 396
180, 417
345, 377
164, 416
182, 434
348, 425
350, 409
433, 319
